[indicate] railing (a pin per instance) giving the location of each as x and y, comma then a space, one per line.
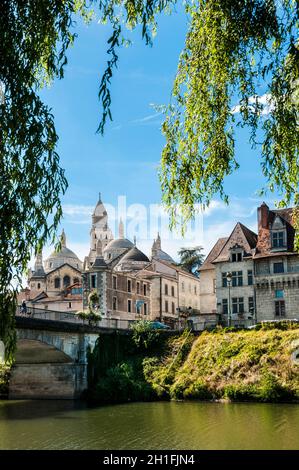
105, 322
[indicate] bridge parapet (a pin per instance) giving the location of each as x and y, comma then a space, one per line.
53, 315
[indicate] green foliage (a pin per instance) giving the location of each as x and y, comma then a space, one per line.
93, 299
240, 365
191, 259
279, 325
34, 37
231, 49
144, 336
4, 380
91, 317
91, 314
121, 383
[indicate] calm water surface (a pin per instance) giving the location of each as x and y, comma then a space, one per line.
162, 425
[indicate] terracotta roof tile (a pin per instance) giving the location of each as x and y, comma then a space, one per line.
264, 236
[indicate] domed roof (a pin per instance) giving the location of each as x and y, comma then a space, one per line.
64, 255
118, 243
162, 255
135, 255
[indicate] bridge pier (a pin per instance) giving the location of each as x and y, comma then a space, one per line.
50, 364
51, 359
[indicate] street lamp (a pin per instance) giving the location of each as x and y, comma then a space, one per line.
229, 283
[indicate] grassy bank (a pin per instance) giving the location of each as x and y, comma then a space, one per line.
246, 365
241, 365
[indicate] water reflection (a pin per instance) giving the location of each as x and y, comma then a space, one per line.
162, 425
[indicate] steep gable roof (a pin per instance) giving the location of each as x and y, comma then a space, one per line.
207, 264
241, 236
65, 264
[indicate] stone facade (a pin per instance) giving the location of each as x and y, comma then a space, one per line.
276, 265
208, 303
55, 284
264, 269
120, 272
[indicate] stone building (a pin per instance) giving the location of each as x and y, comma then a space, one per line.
208, 303
276, 265
130, 285
113, 270
235, 297
56, 283
264, 271
175, 292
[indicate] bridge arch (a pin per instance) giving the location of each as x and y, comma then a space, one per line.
32, 351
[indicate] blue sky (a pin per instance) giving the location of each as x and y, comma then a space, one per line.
125, 160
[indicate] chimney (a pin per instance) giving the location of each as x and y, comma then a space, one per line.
263, 216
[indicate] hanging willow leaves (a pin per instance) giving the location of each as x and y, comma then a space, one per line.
34, 38
232, 48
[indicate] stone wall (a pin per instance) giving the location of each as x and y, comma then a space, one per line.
47, 381
207, 291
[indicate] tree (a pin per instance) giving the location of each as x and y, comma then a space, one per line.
191, 259
232, 49
231, 46
34, 39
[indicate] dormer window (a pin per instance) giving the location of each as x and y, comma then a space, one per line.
278, 234
236, 257
278, 239
236, 254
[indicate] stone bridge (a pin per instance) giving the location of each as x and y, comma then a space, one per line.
51, 358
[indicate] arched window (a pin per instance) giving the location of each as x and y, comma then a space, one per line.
76, 280
66, 281
57, 282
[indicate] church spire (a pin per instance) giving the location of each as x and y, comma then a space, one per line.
100, 197
158, 242
38, 265
121, 229
63, 239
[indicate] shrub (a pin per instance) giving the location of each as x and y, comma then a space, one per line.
4, 380
123, 382
144, 336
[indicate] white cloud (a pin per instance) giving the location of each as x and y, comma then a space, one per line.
266, 102
77, 209
213, 207
145, 119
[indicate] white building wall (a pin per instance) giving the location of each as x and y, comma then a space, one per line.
207, 291
244, 291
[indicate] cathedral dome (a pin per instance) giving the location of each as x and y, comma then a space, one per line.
162, 255
59, 258
116, 248
119, 243
135, 255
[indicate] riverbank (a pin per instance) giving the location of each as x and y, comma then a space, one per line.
241, 365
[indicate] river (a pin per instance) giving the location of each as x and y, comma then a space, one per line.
157, 425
